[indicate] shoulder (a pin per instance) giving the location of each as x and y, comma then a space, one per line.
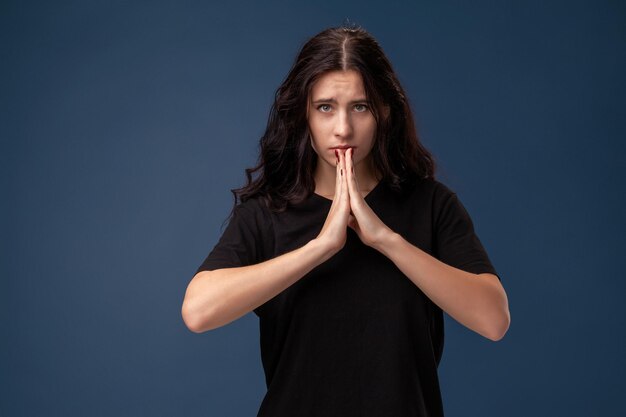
436, 197
251, 205
430, 189
254, 211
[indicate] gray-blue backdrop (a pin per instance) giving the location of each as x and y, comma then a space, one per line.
125, 124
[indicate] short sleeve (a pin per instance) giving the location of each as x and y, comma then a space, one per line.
456, 242
247, 240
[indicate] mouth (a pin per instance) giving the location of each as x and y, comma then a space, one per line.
343, 147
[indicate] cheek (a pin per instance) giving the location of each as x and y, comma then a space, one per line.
312, 142
370, 137
317, 135
373, 130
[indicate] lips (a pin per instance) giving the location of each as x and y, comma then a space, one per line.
343, 147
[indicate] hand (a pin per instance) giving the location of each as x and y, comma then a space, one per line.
367, 225
334, 231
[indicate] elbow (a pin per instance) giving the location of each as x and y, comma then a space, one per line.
497, 318
498, 328
194, 311
190, 319
194, 321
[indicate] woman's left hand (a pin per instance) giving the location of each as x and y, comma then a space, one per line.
367, 225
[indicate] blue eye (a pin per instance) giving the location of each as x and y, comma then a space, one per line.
360, 107
321, 107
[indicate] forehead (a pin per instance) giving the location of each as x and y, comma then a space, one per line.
337, 84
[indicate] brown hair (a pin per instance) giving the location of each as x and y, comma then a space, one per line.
287, 161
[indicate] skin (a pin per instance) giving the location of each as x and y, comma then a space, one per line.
215, 298
477, 301
338, 114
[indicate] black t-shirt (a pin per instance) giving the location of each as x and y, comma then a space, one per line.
354, 336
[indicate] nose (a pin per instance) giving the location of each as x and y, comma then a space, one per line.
343, 124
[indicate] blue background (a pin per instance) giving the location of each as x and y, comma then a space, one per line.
125, 124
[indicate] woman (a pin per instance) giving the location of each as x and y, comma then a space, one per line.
346, 247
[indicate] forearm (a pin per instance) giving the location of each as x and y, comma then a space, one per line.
478, 302
215, 298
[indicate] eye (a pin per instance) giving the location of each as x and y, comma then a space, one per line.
324, 108
360, 108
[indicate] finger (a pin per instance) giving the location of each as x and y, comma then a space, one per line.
353, 186
343, 173
349, 162
337, 182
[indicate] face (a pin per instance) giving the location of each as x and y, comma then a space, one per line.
340, 116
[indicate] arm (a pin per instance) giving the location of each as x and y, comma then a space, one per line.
477, 301
215, 298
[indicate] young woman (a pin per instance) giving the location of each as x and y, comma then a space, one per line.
346, 247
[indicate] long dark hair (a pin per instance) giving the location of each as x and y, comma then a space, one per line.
287, 161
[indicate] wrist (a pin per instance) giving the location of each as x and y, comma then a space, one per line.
386, 242
322, 248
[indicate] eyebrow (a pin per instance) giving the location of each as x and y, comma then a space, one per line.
333, 100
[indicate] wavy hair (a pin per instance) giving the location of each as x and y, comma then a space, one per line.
287, 161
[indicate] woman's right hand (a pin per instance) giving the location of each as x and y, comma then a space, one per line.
334, 231
217, 297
